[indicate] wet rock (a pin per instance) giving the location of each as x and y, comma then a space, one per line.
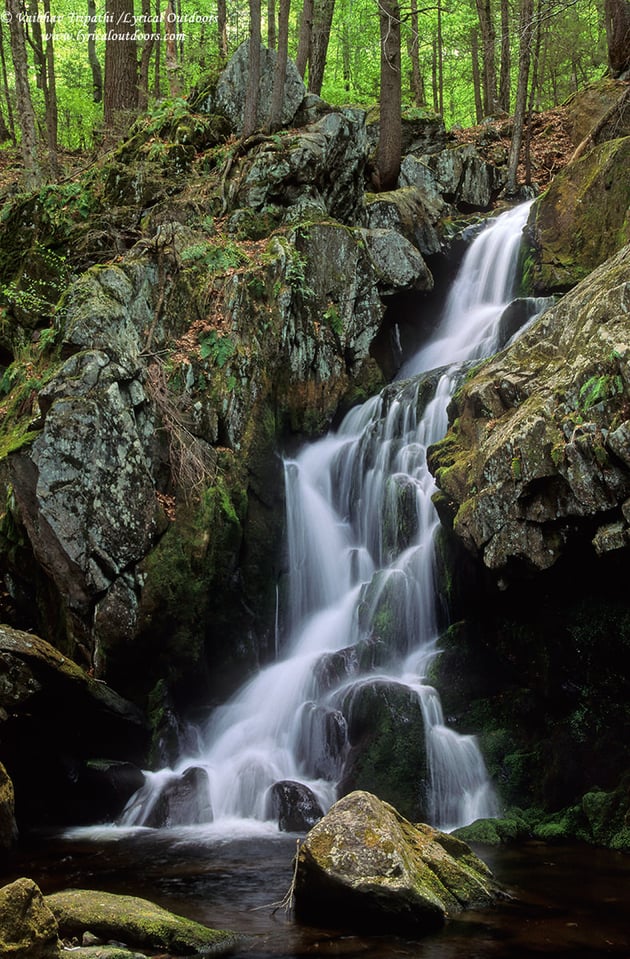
387, 744
363, 866
398, 264
537, 450
294, 806
55, 718
323, 740
137, 922
183, 800
8, 826
28, 928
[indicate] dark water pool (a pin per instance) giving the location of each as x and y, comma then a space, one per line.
570, 901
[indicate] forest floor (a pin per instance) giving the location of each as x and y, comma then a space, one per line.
546, 150
547, 147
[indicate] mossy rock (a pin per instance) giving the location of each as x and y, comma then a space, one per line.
495, 832
137, 922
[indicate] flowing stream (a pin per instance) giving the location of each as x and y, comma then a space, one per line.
364, 605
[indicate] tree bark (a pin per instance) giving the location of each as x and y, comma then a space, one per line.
5, 85
145, 57
322, 20
51, 94
504, 73
250, 109
172, 61
524, 57
617, 14
121, 68
280, 71
272, 33
488, 40
222, 30
474, 49
417, 83
26, 114
389, 149
95, 64
304, 41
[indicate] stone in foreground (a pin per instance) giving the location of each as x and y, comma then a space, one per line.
365, 867
27, 926
136, 922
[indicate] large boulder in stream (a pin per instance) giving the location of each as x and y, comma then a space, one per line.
28, 928
365, 867
136, 922
538, 453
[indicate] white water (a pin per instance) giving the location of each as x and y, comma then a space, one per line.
353, 578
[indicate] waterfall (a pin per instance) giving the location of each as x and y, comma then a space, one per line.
363, 604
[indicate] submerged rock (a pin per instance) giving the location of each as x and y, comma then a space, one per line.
139, 923
364, 866
28, 928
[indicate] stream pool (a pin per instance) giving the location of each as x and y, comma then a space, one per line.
570, 901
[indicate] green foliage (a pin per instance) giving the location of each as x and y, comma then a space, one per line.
38, 288
598, 389
216, 347
216, 256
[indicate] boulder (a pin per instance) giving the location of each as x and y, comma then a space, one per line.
184, 800
137, 922
459, 175
55, 718
28, 928
229, 96
294, 805
365, 867
8, 826
538, 450
582, 219
387, 744
397, 262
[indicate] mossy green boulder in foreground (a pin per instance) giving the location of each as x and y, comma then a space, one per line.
364, 866
136, 922
28, 929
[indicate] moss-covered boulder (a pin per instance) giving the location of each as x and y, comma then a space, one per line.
8, 826
28, 928
364, 866
582, 219
538, 448
137, 922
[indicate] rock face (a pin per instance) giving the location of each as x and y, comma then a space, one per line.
8, 826
28, 928
539, 447
54, 719
137, 922
365, 867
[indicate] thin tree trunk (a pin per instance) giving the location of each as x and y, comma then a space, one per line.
157, 77
389, 149
488, 40
440, 60
95, 64
434, 77
280, 71
26, 114
474, 48
172, 63
51, 95
617, 13
222, 30
504, 73
272, 37
250, 110
5, 84
524, 57
417, 83
322, 20
304, 41
145, 58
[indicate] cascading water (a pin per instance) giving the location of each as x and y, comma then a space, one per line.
361, 540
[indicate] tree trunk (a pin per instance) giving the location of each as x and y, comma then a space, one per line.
322, 20
524, 57
145, 57
157, 76
121, 68
504, 73
304, 41
488, 40
280, 71
95, 64
440, 60
272, 35
417, 83
5, 86
389, 149
617, 14
26, 114
51, 94
222, 30
474, 48
250, 110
